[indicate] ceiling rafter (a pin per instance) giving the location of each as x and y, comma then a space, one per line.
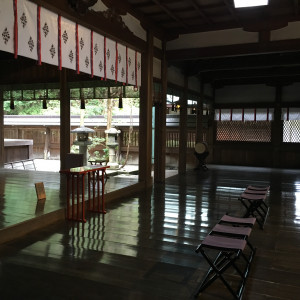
200, 11
231, 10
296, 6
165, 8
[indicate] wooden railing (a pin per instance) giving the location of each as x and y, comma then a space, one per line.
39, 135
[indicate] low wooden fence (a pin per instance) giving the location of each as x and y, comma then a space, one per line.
46, 139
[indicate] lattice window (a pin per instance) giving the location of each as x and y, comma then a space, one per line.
291, 131
248, 131
291, 124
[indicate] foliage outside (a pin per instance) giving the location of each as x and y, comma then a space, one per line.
29, 102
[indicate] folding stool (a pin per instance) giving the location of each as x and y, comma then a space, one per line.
234, 232
255, 206
258, 188
235, 221
229, 251
235, 227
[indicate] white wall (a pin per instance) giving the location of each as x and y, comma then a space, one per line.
213, 38
291, 93
156, 68
194, 84
132, 23
175, 76
208, 90
292, 31
157, 43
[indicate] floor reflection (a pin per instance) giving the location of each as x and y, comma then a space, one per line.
144, 247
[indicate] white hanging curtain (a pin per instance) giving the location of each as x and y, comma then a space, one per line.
110, 61
247, 114
84, 40
121, 63
290, 114
49, 37
225, 115
98, 55
68, 43
34, 32
131, 66
7, 26
217, 114
237, 114
264, 114
27, 29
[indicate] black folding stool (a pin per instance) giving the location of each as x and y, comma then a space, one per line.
254, 200
229, 251
262, 189
234, 232
236, 221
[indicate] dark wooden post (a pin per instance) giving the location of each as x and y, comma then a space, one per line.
212, 131
160, 125
145, 128
183, 129
65, 118
199, 121
1, 130
276, 133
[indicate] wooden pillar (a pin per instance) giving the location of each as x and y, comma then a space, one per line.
276, 129
183, 129
65, 118
199, 121
1, 130
160, 125
212, 130
145, 127
47, 143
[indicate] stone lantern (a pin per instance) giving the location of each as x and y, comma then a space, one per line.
112, 145
83, 140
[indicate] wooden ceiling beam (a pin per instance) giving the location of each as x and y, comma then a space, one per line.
262, 78
251, 63
233, 50
253, 73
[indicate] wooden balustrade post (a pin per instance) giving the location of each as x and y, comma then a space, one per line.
47, 144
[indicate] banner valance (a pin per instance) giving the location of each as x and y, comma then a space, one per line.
35, 32
290, 114
244, 114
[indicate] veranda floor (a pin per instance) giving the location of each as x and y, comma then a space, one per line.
144, 247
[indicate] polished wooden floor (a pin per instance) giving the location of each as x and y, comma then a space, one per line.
144, 247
